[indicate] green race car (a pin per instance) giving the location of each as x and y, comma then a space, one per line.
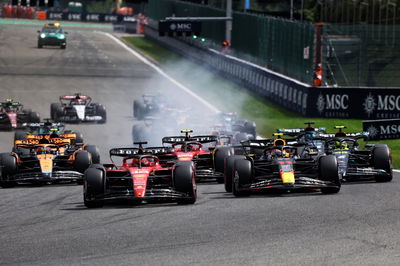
53, 35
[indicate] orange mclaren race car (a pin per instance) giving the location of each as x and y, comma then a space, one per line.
45, 160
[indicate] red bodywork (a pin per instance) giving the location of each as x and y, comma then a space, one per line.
185, 154
13, 118
138, 171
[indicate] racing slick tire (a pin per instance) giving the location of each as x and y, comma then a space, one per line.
8, 164
34, 117
56, 111
382, 160
328, 171
184, 178
94, 151
220, 154
140, 133
101, 111
242, 176
94, 186
20, 135
39, 45
83, 159
228, 171
138, 110
63, 46
250, 128
241, 136
79, 137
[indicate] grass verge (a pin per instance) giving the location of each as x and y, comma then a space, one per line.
228, 96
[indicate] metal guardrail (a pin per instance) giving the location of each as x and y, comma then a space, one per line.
330, 102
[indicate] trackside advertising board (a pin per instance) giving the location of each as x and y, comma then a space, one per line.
88, 17
362, 103
382, 129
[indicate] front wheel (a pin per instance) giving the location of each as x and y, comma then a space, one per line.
228, 171
328, 170
94, 187
184, 181
382, 160
9, 168
242, 176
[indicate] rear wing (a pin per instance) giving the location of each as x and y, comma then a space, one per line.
42, 124
180, 139
36, 141
297, 131
125, 152
355, 135
71, 97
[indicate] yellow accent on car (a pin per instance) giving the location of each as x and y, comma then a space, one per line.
287, 177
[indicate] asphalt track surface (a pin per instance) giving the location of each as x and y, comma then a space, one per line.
49, 225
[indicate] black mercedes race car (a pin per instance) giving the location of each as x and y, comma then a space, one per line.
78, 108
274, 165
373, 162
13, 115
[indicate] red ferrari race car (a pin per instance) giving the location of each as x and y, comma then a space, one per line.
140, 178
13, 115
209, 160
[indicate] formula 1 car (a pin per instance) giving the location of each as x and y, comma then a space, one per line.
209, 162
78, 108
358, 164
280, 167
38, 130
233, 130
52, 35
151, 105
44, 161
13, 115
141, 177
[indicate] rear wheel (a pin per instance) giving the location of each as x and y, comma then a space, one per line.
56, 111
83, 160
250, 128
240, 137
40, 45
94, 187
9, 168
219, 160
138, 110
79, 137
101, 111
19, 135
34, 117
228, 171
328, 170
184, 181
382, 160
94, 151
242, 176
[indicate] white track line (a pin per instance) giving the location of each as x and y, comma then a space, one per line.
165, 75
396, 170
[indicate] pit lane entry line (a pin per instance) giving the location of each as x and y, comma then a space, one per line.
161, 72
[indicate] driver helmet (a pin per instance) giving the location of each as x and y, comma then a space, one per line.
308, 137
341, 145
148, 162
